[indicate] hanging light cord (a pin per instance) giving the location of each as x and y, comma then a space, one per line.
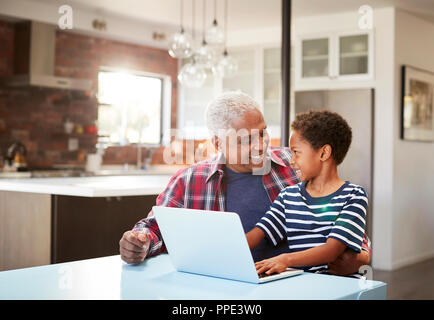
215, 12
192, 20
226, 26
203, 22
182, 14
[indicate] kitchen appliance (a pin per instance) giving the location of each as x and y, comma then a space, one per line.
34, 59
16, 156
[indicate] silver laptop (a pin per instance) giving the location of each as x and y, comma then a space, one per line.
210, 243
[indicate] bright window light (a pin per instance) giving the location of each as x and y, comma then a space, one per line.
130, 108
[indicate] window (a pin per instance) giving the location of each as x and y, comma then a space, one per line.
132, 107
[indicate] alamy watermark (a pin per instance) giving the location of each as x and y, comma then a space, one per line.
366, 19
65, 21
65, 277
240, 147
368, 275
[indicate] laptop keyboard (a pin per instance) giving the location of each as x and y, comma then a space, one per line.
264, 275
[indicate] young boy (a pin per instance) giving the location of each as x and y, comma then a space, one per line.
321, 216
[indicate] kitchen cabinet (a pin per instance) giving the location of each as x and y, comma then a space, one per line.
86, 228
39, 229
25, 229
334, 60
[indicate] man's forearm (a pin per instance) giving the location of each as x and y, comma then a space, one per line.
363, 258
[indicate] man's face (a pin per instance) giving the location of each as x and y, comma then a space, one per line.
245, 145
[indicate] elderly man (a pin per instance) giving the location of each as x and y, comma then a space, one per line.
244, 177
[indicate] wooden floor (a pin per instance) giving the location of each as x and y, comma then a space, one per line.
412, 282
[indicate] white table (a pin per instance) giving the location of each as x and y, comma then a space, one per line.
155, 278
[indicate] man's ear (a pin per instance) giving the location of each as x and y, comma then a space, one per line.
326, 152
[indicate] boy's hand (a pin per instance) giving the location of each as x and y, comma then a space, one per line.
276, 264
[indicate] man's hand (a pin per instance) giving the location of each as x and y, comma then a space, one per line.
348, 263
133, 247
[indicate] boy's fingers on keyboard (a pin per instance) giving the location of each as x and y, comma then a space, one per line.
262, 269
276, 269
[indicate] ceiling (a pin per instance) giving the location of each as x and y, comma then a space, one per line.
242, 14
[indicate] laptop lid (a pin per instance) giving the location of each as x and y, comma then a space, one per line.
206, 242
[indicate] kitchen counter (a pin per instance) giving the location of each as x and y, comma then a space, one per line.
98, 186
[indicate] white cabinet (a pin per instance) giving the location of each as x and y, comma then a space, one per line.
334, 60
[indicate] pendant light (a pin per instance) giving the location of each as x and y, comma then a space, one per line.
215, 35
227, 65
181, 44
192, 74
205, 55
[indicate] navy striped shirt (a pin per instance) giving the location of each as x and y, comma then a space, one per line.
307, 222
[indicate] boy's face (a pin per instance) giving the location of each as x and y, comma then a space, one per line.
306, 161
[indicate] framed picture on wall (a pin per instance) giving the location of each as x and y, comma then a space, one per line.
417, 121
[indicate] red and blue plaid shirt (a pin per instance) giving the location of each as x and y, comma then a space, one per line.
202, 186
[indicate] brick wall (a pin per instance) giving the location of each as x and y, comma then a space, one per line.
35, 116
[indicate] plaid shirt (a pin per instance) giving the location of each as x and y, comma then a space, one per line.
202, 186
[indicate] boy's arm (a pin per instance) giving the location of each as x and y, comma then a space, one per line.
254, 237
322, 254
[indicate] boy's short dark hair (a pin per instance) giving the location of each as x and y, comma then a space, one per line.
324, 127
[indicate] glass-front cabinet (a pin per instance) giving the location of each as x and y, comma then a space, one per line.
353, 55
315, 58
334, 59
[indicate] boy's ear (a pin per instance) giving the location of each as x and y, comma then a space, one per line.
326, 152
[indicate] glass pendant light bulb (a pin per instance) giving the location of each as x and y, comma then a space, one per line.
215, 35
226, 67
181, 45
192, 75
205, 56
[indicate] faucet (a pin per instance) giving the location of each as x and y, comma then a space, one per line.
148, 155
139, 156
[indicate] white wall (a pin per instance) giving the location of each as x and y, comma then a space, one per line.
413, 194
383, 178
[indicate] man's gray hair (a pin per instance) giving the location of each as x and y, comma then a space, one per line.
225, 108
